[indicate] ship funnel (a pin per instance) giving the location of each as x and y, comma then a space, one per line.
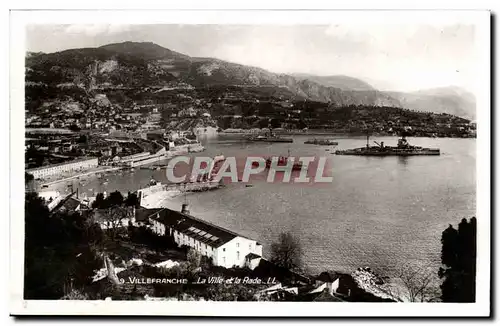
185, 209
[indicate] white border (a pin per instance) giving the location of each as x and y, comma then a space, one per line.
481, 19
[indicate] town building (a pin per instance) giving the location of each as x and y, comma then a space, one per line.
225, 248
56, 169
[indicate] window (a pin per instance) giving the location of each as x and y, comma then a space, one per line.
250, 246
223, 249
237, 245
237, 255
224, 260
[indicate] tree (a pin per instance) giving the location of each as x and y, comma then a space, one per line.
458, 256
194, 260
57, 255
114, 217
417, 282
29, 182
287, 252
114, 199
75, 295
99, 201
132, 200
28, 177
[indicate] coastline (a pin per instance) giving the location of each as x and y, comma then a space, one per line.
247, 132
81, 175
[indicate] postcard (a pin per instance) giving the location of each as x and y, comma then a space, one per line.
214, 163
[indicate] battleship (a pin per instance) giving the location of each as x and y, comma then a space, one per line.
270, 137
402, 149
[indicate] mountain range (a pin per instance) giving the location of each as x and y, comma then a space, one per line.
145, 64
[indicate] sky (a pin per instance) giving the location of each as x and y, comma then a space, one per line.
404, 57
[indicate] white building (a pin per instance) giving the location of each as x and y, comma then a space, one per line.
225, 248
55, 169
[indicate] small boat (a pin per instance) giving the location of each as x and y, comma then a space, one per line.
249, 185
283, 161
256, 164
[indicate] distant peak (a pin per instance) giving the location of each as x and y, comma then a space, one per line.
146, 50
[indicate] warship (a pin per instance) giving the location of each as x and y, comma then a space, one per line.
270, 137
402, 149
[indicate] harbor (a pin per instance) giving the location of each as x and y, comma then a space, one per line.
398, 187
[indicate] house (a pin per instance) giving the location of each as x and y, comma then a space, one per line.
72, 205
225, 248
277, 292
328, 281
67, 204
252, 260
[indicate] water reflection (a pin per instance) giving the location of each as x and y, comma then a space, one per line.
403, 160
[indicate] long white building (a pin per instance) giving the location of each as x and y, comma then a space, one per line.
55, 169
225, 248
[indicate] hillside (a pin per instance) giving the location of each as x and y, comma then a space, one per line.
450, 100
133, 72
344, 83
133, 65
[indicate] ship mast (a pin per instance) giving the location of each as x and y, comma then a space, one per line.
185, 194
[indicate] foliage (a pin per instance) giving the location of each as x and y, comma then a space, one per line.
57, 256
458, 256
147, 237
28, 177
132, 200
99, 201
114, 199
75, 295
194, 260
287, 253
418, 283
114, 217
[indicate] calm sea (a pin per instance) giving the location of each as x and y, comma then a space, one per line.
381, 212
